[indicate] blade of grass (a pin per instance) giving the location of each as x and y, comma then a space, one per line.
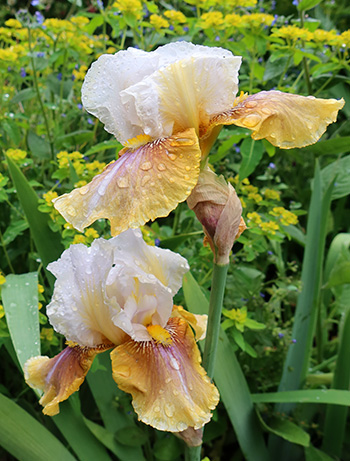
20, 299
47, 242
335, 422
324, 396
25, 438
231, 382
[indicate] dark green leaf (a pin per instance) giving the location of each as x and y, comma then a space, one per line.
313, 454
167, 449
131, 436
25, 438
75, 138
14, 229
23, 95
305, 5
48, 243
341, 169
38, 146
252, 152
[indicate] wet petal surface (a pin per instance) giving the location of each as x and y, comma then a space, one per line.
170, 389
141, 185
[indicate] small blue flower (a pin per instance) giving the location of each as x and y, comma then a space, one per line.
100, 4
35, 2
262, 295
59, 76
40, 54
171, 27
275, 20
295, 2
157, 242
272, 165
90, 121
9, 68
186, 29
270, 253
39, 17
23, 72
63, 115
217, 38
273, 4
280, 335
73, 77
294, 341
79, 106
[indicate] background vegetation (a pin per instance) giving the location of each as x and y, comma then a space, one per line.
286, 322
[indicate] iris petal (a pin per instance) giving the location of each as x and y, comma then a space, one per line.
60, 376
170, 389
141, 185
286, 120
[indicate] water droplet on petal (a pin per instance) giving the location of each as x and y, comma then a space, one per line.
145, 180
171, 180
251, 120
84, 190
161, 167
168, 380
123, 182
250, 104
169, 409
172, 157
146, 166
71, 211
188, 168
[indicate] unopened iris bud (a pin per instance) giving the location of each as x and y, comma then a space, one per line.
219, 210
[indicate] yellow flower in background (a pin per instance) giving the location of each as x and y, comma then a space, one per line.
78, 238
214, 19
270, 227
254, 217
272, 194
158, 22
293, 33
2, 279
175, 17
118, 294
2, 311
133, 7
286, 217
167, 107
17, 155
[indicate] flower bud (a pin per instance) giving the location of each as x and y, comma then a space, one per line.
219, 210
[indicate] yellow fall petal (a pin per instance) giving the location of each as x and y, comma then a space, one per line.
60, 376
286, 120
170, 389
143, 184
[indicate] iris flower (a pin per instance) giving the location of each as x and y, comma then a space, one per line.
167, 107
118, 294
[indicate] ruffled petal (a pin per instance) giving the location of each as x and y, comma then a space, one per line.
198, 322
184, 94
142, 185
170, 389
60, 376
285, 120
79, 308
110, 75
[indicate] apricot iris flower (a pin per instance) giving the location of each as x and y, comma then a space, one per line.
118, 294
167, 107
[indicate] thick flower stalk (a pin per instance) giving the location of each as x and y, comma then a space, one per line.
167, 107
118, 294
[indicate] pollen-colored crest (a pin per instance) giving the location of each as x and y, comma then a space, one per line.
143, 184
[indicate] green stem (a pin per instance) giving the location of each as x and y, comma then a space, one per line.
36, 87
193, 453
214, 317
6, 254
305, 63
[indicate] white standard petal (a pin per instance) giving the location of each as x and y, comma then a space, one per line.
165, 265
185, 93
109, 92
78, 308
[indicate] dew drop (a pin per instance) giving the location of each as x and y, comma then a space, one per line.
159, 176
161, 167
145, 180
251, 120
172, 157
169, 409
161, 391
186, 177
146, 166
168, 380
84, 190
171, 180
250, 104
188, 168
71, 211
123, 182
156, 409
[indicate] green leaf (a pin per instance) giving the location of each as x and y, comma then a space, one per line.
339, 275
12, 130
172, 243
75, 138
131, 436
23, 95
340, 169
167, 449
71, 423
231, 382
20, 299
252, 152
286, 430
254, 325
332, 146
59, 87
47, 243
324, 396
336, 416
38, 146
112, 144
312, 454
305, 5
14, 229
25, 438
